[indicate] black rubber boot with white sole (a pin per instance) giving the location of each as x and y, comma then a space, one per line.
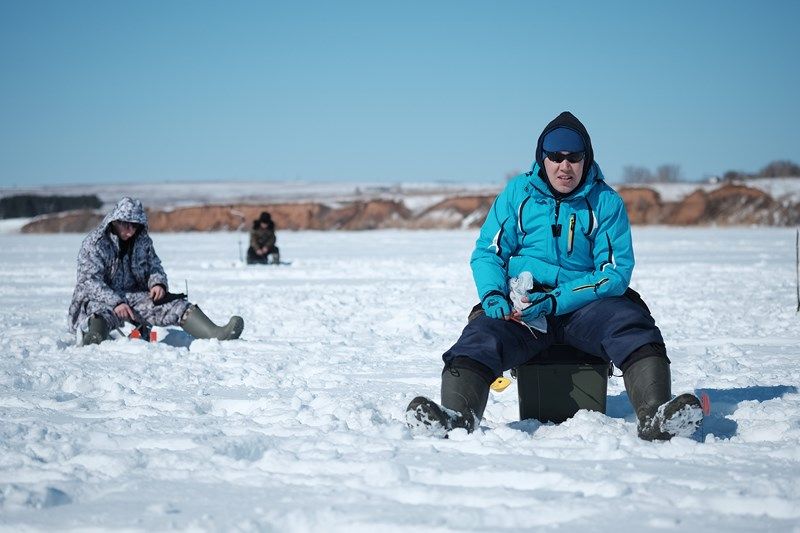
465, 391
648, 383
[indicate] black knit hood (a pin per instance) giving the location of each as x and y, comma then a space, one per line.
567, 120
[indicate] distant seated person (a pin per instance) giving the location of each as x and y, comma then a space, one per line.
262, 242
120, 279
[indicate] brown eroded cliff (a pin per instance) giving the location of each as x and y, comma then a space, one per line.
726, 205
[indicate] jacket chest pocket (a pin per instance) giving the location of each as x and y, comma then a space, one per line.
539, 242
579, 244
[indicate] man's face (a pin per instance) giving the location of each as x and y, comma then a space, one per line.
124, 230
563, 176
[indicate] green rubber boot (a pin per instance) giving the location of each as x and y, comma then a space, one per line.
97, 332
199, 326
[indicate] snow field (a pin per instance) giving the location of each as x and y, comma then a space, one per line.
299, 425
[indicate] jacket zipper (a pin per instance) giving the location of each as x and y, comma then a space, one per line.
556, 227
571, 234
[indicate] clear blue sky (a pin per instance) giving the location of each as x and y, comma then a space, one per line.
109, 91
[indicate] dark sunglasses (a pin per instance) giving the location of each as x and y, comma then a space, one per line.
558, 157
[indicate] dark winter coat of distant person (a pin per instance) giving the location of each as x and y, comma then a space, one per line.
262, 241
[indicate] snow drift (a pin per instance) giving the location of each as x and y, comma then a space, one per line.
299, 426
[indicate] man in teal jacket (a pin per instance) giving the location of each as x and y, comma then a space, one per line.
552, 264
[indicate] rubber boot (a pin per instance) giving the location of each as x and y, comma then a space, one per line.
97, 331
660, 418
465, 392
199, 326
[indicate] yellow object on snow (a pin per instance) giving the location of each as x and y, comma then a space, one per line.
500, 384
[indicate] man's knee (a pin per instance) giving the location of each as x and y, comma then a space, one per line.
169, 314
617, 327
480, 341
497, 344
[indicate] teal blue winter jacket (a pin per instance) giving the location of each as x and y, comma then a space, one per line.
578, 245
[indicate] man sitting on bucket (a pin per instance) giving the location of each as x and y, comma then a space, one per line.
563, 227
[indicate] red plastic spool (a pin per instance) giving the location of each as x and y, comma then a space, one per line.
705, 403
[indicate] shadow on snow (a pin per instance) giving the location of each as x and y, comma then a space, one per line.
177, 338
723, 404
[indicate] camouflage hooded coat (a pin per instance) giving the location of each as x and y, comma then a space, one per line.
108, 268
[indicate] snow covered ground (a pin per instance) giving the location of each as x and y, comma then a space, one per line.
299, 425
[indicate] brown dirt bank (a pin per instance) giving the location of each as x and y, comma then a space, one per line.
727, 205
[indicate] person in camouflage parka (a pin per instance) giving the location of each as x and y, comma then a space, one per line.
120, 278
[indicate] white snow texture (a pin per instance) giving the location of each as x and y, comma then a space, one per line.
300, 424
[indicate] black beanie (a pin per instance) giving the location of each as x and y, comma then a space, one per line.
569, 121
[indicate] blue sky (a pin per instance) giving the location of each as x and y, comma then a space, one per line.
147, 91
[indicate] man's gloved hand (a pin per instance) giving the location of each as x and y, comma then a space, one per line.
496, 305
542, 304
